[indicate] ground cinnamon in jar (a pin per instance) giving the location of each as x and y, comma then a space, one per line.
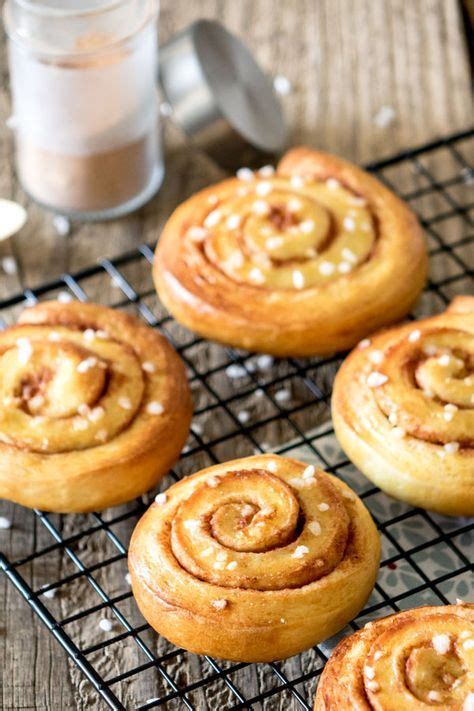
85, 104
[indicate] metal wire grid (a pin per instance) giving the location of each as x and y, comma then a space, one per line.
444, 177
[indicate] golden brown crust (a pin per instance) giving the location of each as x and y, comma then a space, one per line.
234, 560
417, 659
336, 256
94, 407
403, 410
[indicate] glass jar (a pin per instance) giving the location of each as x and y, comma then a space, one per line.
85, 104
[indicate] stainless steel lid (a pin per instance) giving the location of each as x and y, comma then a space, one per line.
219, 95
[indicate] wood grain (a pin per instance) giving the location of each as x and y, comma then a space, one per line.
346, 59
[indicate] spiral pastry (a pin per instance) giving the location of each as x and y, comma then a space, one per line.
253, 560
303, 261
403, 410
416, 660
94, 408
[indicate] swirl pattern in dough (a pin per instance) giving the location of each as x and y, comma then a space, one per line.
253, 560
417, 660
303, 261
403, 410
94, 408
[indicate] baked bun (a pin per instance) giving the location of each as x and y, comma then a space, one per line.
94, 408
403, 410
253, 560
417, 660
304, 261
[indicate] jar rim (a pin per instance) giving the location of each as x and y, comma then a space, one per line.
58, 13
50, 10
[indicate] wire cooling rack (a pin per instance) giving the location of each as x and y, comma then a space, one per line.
245, 404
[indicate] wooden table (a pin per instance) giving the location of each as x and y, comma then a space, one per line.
346, 59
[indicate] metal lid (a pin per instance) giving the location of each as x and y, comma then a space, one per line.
219, 95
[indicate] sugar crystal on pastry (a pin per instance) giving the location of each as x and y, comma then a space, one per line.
414, 336
348, 254
306, 225
300, 551
441, 643
96, 414
64, 297
260, 207
245, 174
233, 222
373, 686
369, 672
213, 218
264, 188
326, 268
155, 408
451, 447
298, 279
25, 349
376, 356
196, 233
349, 223
219, 604
376, 379
314, 527
297, 181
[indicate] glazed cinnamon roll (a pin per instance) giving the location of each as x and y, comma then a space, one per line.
416, 660
305, 260
253, 560
94, 408
403, 410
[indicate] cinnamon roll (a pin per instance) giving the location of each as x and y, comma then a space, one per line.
302, 261
403, 410
417, 660
253, 560
94, 408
